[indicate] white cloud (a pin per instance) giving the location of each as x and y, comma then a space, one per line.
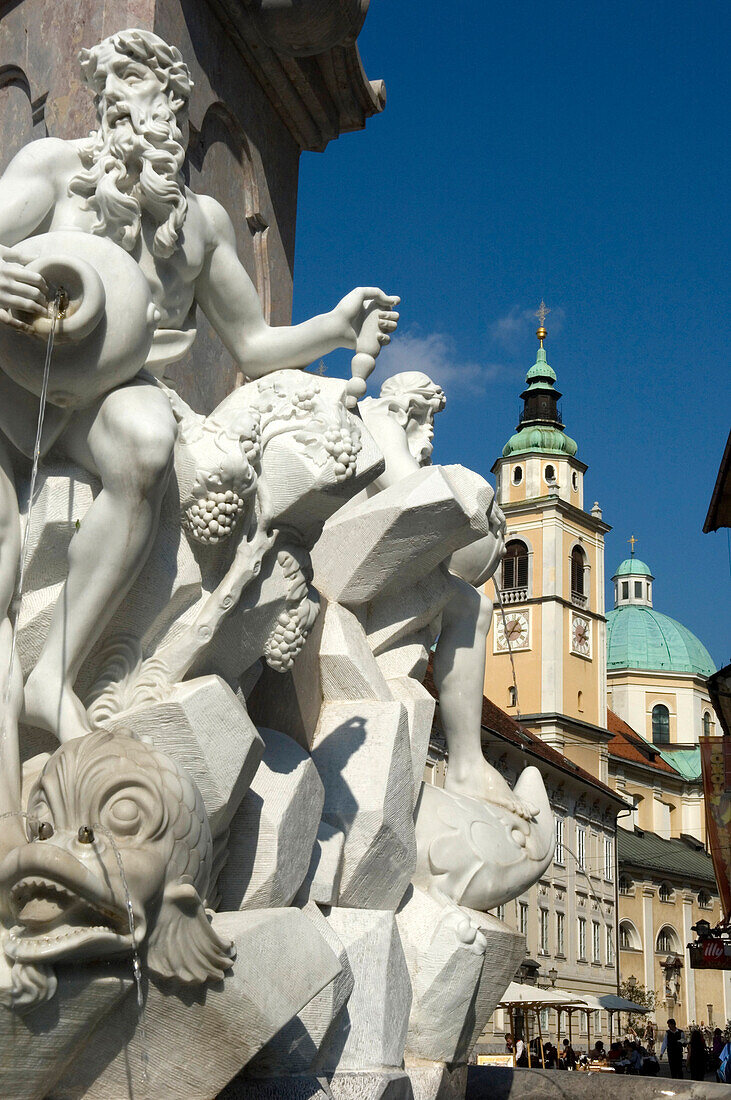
435, 354
511, 330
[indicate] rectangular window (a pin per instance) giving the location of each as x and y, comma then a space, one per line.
543, 929
544, 1020
523, 919
610, 944
596, 950
625, 590
638, 590
608, 858
560, 923
582, 939
500, 912
581, 845
559, 855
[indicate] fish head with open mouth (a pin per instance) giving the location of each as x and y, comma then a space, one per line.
119, 857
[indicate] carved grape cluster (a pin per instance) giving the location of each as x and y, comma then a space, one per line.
212, 518
286, 641
339, 443
295, 621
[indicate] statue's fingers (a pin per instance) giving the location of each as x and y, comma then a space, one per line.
383, 339
28, 305
6, 318
375, 294
22, 274
387, 326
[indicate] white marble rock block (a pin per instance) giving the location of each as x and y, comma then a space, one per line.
196, 1044
274, 829
373, 1085
378, 544
419, 706
363, 755
295, 1046
370, 1031
322, 881
459, 961
204, 728
37, 1043
348, 669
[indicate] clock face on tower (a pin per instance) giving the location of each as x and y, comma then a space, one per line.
515, 629
581, 636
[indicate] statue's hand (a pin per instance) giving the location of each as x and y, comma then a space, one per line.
353, 310
20, 289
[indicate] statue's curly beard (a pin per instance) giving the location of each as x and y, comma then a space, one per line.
132, 164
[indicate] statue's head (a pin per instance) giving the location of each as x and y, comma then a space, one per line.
415, 400
132, 163
113, 822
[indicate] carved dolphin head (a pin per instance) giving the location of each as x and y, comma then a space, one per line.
115, 827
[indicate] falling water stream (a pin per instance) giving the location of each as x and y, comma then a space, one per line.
136, 961
55, 312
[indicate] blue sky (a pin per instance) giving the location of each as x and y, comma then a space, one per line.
576, 152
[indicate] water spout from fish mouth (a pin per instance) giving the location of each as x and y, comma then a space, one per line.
137, 970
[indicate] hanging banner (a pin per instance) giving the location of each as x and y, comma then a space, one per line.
713, 953
716, 767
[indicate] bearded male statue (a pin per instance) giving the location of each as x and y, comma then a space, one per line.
124, 183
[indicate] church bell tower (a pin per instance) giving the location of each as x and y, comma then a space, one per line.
551, 582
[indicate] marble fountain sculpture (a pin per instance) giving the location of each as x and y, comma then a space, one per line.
220, 870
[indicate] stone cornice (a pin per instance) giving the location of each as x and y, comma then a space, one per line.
319, 93
540, 504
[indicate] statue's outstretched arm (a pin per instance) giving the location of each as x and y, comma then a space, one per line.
229, 300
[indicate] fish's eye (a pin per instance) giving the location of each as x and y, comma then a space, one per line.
45, 830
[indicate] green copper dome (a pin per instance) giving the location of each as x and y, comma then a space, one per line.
640, 637
633, 567
543, 439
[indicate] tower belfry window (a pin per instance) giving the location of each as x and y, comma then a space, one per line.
660, 724
515, 566
578, 565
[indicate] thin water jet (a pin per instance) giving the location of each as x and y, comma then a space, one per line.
136, 961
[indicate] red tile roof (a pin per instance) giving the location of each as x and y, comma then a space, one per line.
629, 745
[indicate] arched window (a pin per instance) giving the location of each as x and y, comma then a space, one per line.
629, 939
515, 566
625, 885
666, 892
705, 901
707, 724
578, 564
660, 724
668, 942
580, 702
517, 475
512, 694
550, 474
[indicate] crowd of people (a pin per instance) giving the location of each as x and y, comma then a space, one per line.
703, 1053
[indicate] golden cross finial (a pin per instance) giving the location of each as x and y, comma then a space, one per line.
541, 313
632, 540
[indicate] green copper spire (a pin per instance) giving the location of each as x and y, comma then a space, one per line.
540, 428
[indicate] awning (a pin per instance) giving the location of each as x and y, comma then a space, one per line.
610, 1002
532, 996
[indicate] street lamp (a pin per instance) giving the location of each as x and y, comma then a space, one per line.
552, 975
632, 983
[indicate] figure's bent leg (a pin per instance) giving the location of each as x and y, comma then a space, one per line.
459, 676
127, 439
